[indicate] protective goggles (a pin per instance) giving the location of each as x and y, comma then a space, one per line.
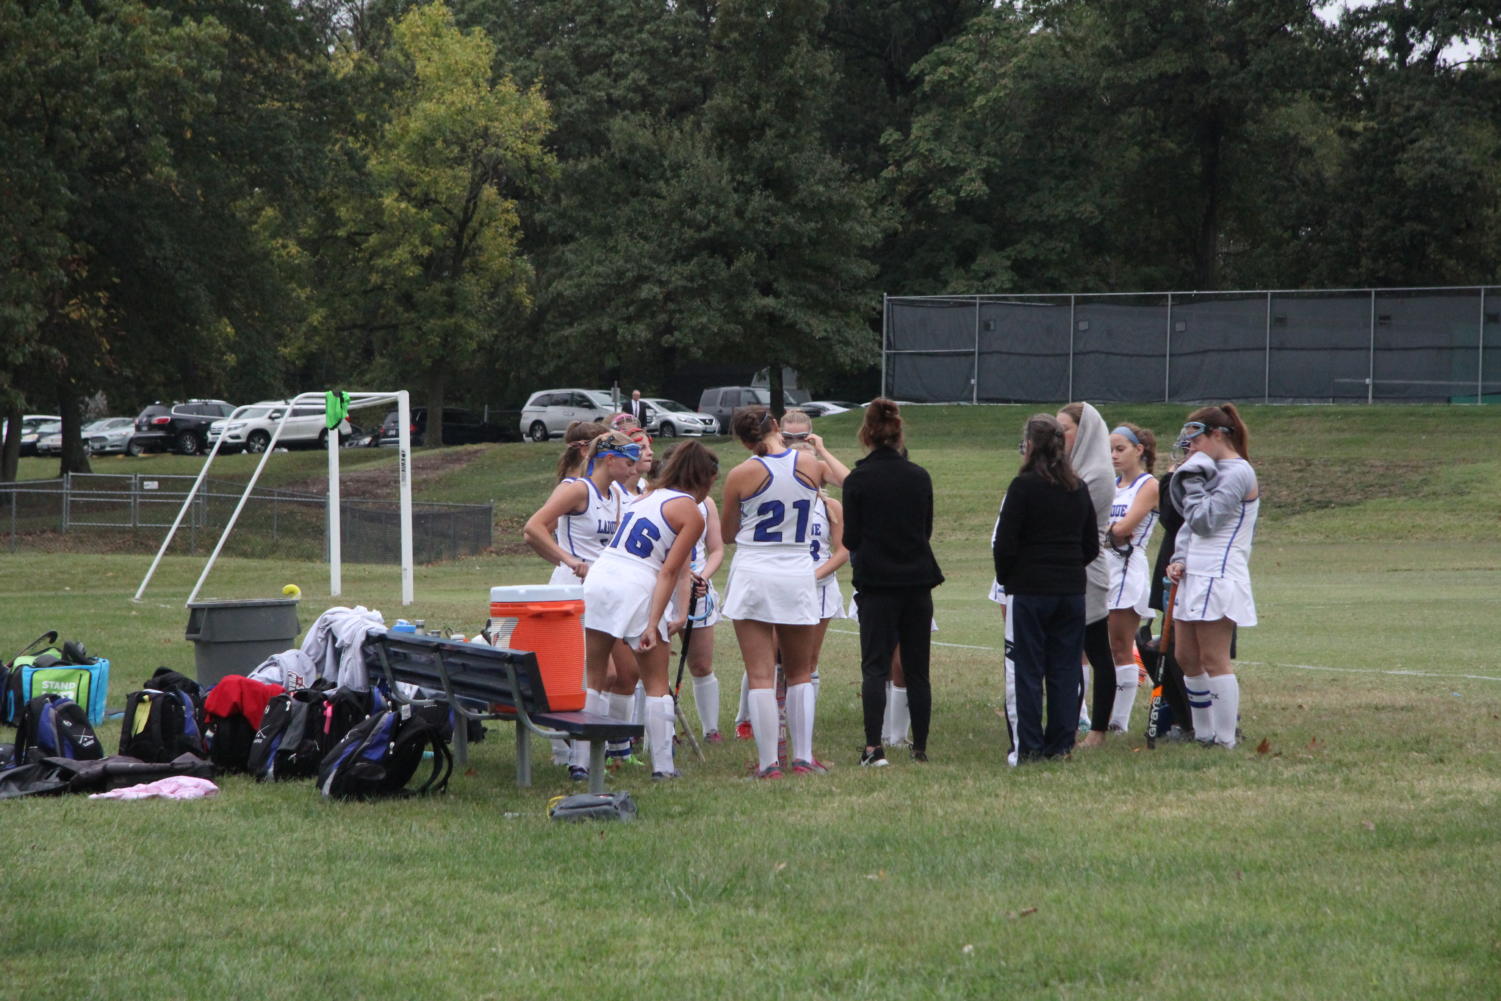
1192, 430
631, 451
796, 435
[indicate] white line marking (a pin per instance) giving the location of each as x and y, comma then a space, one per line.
1263, 663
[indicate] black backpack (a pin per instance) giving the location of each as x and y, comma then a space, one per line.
381, 755
347, 709
160, 725
289, 744
54, 726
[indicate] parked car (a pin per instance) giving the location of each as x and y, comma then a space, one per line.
460, 427
721, 402
50, 436
251, 428
29, 425
548, 412
670, 418
109, 435
182, 427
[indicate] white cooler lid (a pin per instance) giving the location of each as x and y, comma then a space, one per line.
538, 592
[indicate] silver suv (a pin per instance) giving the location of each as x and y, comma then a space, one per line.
550, 411
250, 427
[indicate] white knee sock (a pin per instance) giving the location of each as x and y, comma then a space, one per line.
638, 705
814, 681
1199, 701
765, 723
706, 701
619, 707
801, 704
743, 713
659, 720
1084, 720
1224, 708
1126, 680
898, 719
594, 702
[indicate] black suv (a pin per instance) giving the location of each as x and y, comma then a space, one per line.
460, 427
181, 427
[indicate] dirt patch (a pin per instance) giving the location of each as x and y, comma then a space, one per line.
379, 483
1297, 486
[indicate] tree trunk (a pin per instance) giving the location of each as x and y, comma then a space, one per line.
10, 451
1206, 249
75, 455
436, 384
775, 391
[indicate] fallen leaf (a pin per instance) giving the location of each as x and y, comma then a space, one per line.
1265, 746
470, 772
779, 867
1240, 874
1368, 825
1024, 912
879, 874
1315, 743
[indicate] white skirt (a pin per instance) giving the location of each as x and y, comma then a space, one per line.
616, 602
562, 575
830, 599
1130, 583
1209, 599
709, 603
772, 587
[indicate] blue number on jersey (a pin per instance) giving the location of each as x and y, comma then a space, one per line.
773, 511
643, 536
813, 548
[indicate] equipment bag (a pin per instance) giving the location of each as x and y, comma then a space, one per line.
54, 726
12, 704
344, 710
381, 755
287, 746
160, 725
593, 806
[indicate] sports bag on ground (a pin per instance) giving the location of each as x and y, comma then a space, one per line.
54, 726
66, 670
593, 806
289, 743
382, 754
160, 725
58, 775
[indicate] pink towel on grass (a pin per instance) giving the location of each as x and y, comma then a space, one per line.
172, 787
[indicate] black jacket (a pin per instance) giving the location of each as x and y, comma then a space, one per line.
888, 520
1047, 536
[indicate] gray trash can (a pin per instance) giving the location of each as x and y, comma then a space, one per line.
233, 637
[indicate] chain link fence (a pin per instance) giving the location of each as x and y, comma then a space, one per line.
96, 511
1340, 345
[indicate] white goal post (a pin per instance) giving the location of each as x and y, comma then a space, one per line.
402, 399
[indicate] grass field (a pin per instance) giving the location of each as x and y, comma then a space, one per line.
1356, 858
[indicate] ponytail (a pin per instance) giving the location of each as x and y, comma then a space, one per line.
1226, 420
576, 444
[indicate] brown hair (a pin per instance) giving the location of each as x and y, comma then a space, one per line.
751, 425
690, 467
1148, 443
883, 424
1045, 454
796, 416
1075, 412
576, 441
1227, 420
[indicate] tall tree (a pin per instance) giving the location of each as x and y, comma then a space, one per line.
430, 274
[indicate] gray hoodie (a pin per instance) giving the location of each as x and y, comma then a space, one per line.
1091, 461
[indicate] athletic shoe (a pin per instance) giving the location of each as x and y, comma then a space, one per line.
814, 767
620, 761
713, 737
578, 774
665, 776
743, 730
919, 755
1177, 735
875, 758
769, 772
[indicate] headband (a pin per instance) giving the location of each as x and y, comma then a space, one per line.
1127, 434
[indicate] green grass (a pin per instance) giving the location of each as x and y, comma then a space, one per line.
1355, 858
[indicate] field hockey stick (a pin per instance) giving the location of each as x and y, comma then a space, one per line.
1164, 651
677, 705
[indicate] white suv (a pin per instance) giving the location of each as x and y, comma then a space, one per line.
669, 419
250, 427
550, 411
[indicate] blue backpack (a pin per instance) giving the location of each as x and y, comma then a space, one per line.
54, 726
381, 755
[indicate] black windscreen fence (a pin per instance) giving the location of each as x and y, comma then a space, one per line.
1363, 345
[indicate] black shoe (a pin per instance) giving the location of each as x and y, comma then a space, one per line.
578, 774
920, 755
873, 758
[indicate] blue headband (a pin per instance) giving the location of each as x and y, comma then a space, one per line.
1126, 433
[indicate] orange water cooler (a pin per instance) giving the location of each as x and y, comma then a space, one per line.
547, 620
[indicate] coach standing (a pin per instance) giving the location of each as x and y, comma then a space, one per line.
888, 522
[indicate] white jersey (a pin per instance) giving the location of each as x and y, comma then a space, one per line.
1125, 496
585, 535
1219, 523
644, 536
820, 546
780, 514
